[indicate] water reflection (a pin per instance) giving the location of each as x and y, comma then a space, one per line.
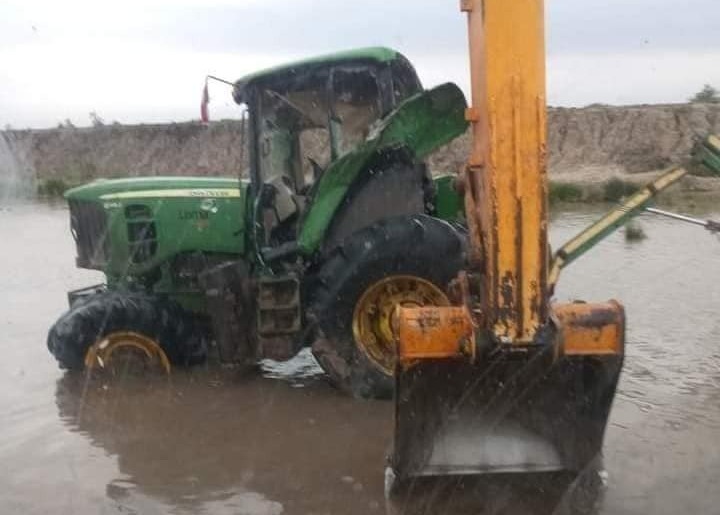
214, 442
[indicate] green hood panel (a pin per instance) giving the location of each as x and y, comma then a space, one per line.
169, 216
421, 124
424, 122
154, 187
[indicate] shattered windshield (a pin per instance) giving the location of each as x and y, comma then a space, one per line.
304, 128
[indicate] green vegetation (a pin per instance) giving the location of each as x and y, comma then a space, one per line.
634, 232
707, 95
565, 192
53, 187
616, 189
613, 190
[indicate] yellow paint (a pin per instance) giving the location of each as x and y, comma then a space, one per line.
101, 352
375, 313
507, 54
591, 329
637, 201
714, 141
434, 333
181, 193
505, 291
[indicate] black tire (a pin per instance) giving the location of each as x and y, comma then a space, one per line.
417, 245
90, 319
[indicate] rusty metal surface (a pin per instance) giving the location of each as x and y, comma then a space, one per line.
227, 293
434, 333
511, 414
507, 179
519, 405
591, 329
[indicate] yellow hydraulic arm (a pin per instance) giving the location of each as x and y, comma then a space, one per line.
505, 381
506, 179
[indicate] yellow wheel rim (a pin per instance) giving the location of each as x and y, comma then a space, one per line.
101, 353
374, 314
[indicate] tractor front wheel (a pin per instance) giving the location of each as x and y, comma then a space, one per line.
118, 327
406, 261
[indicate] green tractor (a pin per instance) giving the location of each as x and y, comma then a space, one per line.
338, 222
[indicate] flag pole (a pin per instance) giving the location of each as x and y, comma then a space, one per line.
231, 84
204, 112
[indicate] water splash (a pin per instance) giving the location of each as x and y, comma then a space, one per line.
16, 170
296, 371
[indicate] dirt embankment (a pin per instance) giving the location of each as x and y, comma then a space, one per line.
592, 144
79, 154
585, 145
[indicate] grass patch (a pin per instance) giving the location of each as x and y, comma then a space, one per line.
52, 187
565, 192
634, 232
616, 189
613, 191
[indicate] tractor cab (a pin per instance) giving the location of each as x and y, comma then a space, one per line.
303, 117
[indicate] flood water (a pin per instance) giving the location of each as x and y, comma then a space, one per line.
212, 442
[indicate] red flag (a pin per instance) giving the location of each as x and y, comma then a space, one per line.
204, 114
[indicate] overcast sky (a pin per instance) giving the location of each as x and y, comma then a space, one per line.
145, 60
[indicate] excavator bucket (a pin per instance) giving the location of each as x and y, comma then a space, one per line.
508, 415
540, 411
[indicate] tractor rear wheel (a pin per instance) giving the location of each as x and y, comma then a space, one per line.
406, 261
119, 325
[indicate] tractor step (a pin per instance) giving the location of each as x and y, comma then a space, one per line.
83, 293
279, 315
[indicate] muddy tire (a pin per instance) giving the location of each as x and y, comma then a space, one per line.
102, 314
415, 246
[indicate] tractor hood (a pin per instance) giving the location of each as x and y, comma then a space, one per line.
157, 187
131, 227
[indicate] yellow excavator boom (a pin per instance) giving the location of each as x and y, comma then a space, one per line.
506, 174
505, 381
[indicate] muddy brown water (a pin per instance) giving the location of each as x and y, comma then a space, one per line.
212, 442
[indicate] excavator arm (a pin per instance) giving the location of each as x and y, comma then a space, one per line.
505, 381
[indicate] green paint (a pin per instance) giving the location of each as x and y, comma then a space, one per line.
615, 219
707, 153
424, 122
189, 215
449, 204
96, 189
372, 54
421, 124
212, 216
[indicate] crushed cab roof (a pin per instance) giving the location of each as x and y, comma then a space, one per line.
371, 54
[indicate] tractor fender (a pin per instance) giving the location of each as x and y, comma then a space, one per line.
393, 185
419, 126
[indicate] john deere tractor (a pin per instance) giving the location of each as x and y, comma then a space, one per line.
337, 221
